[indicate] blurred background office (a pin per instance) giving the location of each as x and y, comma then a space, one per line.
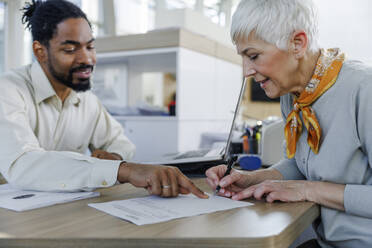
343, 23
167, 69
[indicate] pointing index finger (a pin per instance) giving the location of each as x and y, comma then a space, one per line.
186, 183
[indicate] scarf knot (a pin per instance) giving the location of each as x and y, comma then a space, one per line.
325, 75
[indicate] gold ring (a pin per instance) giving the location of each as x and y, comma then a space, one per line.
166, 186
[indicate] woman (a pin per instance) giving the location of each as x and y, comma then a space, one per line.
327, 106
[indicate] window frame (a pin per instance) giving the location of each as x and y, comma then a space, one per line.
14, 39
3, 50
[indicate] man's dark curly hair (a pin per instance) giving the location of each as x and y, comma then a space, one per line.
42, 17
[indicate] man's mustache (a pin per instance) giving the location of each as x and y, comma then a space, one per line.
82, 67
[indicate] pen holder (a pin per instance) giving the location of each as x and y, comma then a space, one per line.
249, 161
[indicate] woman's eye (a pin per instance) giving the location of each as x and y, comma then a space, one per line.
253, 57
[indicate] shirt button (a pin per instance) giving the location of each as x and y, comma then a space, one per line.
303, 161
63, 185
104, 183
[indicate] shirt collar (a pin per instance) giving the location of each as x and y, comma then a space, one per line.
43, 88
74, 98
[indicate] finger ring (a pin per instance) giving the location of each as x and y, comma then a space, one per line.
166, 186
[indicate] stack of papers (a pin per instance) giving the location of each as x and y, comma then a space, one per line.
21, 200
154, 209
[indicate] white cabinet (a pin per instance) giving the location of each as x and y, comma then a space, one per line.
207, 82
207, 92
153, 136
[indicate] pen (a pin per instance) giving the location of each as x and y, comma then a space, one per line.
23, 196
230, 163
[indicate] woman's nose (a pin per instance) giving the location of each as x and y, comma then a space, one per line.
248, 68
249, 72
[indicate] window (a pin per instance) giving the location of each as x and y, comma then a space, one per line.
134, 16
77, 2
348, 27
94, 11
178, 4
2, 36
212, 10
118, 17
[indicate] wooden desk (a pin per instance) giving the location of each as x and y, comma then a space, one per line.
77, 225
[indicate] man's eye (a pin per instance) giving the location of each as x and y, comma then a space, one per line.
91, 48
69, 50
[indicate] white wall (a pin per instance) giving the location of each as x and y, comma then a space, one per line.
347, 24
207, 86
207, 92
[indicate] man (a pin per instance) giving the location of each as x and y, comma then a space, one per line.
48, 118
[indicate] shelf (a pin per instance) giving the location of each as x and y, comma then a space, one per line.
167, 38
146, 118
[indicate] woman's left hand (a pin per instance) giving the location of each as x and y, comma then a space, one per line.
272, 190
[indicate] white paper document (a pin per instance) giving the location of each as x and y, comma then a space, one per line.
154, 209
21, 200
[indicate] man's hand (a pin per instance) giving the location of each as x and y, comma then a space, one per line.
101, 154
165, 181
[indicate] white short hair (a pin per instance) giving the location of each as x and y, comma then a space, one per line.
274, 21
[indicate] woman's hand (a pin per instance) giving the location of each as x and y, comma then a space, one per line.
276, 190
324, 193
237, 180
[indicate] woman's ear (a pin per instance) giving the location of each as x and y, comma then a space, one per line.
40, 51
298, 43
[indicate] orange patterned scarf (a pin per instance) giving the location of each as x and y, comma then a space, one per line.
326, 71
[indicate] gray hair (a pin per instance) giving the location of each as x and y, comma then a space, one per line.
274, 21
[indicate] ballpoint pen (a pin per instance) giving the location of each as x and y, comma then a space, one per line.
230, 162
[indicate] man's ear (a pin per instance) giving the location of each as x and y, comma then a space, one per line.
299, 43
40, 51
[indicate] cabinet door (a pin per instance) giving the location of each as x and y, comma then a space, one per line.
153, 137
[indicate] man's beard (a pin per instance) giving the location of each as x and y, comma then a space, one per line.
83, 85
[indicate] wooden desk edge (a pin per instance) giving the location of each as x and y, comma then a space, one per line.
136, 242
286, 238
281, 240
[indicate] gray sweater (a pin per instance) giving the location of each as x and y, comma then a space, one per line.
344, 113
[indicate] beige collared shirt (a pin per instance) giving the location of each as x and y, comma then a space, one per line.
42, 141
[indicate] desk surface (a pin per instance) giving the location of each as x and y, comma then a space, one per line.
77, 225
